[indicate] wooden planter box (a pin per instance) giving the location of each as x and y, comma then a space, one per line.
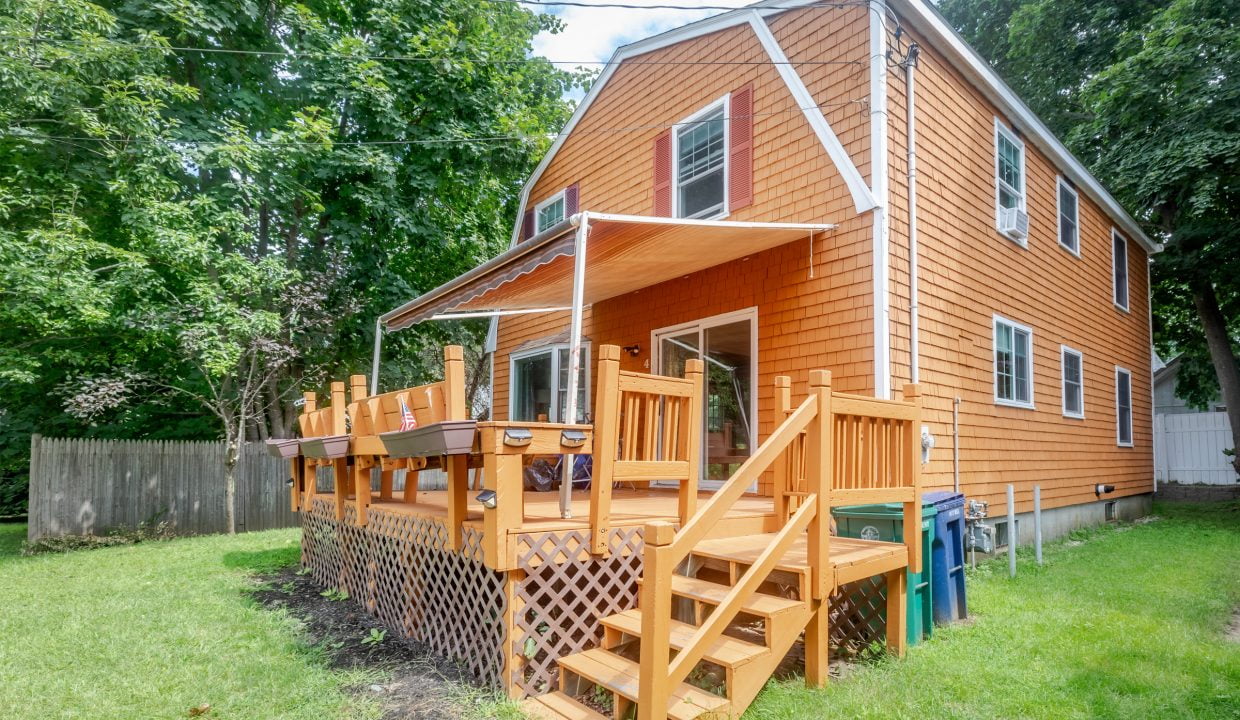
285, 449
451, 437
330, 447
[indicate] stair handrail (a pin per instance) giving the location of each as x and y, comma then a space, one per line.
665, 548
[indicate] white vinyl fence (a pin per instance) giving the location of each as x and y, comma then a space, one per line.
1188, 449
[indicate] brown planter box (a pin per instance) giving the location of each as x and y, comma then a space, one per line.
286, 449
451, 437
330, 447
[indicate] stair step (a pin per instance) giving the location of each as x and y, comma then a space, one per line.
759, 604
559, 706
745, 550
621, 675
726, 651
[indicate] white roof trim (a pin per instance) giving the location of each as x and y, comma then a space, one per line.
723, 21
926, 20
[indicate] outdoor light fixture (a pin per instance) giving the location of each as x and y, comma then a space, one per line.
572, 438
1100, 489
289, 482
632, 350
487, 498
518, 437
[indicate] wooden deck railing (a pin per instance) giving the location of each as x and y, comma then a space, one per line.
647, 427
830, 450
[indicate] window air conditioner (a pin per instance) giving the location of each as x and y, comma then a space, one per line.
1014, 223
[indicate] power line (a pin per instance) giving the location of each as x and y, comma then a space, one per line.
836, 4
422, 141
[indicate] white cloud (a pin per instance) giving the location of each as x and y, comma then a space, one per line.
593, 33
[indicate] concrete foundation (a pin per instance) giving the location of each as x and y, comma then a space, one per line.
1059, 522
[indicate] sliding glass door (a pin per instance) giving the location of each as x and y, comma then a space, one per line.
727, 345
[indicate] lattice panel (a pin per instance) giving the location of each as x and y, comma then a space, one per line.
858, 615
398, 569
564, 595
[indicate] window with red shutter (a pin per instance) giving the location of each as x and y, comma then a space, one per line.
571, 200
740, 149
527, 225
663, 174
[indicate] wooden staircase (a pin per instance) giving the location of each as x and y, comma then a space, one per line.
716, 617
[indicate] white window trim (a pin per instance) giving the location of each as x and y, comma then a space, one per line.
1127, 275
1001, 129
726, 103
1063, 351
656, 362
1060, 185
1119, 370
994, 361
554, 349
545, 203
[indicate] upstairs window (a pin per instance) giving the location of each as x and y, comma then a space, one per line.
1119, 268
1013, 364
1123, 407
549, 212
700, 152
1069, 218
1009, 168
1073, 382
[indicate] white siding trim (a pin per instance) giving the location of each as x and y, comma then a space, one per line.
1116, 234
1120, 370
994, 359
1064, 351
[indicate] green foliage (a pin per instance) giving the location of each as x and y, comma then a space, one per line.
190, 239
335, 594
376, 636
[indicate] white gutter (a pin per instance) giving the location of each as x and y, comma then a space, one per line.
879, 171
914, 304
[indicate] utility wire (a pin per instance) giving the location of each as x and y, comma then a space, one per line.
423, 141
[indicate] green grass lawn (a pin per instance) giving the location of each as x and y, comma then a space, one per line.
1127, 624
1124, 622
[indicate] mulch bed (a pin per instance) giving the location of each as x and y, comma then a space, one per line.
417, 684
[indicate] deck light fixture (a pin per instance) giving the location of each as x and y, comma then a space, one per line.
633, 350
518, 437
572, 438
487, 498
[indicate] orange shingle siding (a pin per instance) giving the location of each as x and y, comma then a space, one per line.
968, 271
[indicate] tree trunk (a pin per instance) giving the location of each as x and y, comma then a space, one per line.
236, 436
1218, 340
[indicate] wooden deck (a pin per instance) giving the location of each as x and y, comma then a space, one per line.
630, 508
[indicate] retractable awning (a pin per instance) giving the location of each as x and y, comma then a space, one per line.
626, 253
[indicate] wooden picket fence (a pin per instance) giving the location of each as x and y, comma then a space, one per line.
88, 487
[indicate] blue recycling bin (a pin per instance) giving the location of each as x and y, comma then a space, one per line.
947, 556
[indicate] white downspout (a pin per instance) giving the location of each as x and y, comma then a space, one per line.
574, 356
880, 190
914, 306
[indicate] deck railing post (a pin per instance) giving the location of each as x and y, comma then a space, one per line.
454, 383
357, 388
338, 424
781, 476
818, 483
912, 465
606, 445
693, 448
656, 606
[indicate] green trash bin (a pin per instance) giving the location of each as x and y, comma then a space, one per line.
886, 522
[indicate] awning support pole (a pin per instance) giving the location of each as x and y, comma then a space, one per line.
374, 361
574, 358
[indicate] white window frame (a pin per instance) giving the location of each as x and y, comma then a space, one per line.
1060, 186
554, 349
1003, 130
1115, 234
1064, 351
1119, 370
724, 102
994, 361
702, 325
547, 203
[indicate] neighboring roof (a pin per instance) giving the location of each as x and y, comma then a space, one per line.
926, 20
624, 253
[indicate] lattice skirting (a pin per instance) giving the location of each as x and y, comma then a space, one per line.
399, 570
858, 616
563, 595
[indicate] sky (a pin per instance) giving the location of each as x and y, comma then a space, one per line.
593, 33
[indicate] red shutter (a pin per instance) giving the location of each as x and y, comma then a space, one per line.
571, 203
740, 149
663, 174
527, 225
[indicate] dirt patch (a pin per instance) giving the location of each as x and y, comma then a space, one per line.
418, 682
1233, 629
1147, 519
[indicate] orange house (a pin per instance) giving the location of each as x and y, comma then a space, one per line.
850, 187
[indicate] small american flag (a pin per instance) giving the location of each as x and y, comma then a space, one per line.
407, 420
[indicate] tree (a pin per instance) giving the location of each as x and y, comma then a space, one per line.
1148, 95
